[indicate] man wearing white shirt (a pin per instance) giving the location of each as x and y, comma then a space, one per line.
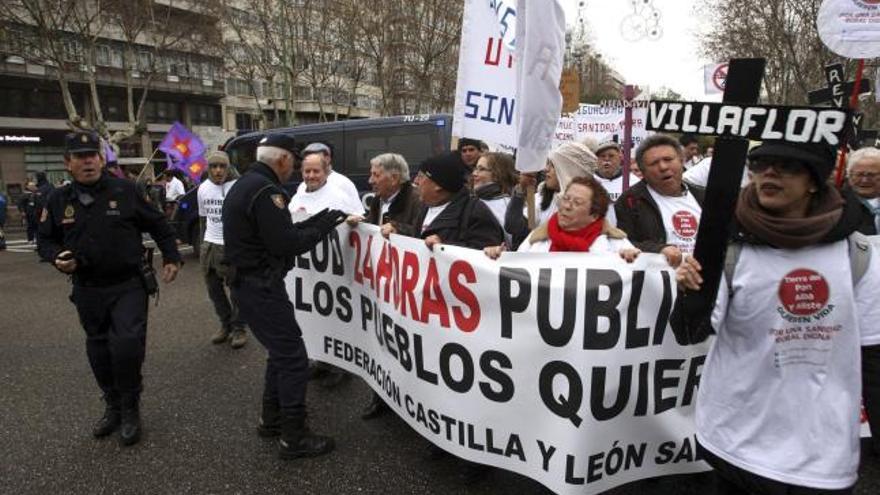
211, 195
345, 185
609, 173
173, 187
317, 193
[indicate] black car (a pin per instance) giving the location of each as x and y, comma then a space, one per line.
354, 143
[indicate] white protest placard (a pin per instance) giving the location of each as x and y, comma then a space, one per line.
561, 367
540, 38
850, 28
603, 123
485, 94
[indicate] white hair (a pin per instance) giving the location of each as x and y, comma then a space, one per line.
392, 163
866, 153
270, 154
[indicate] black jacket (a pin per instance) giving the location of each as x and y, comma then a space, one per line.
402, 213
259, 237
466, 222
102, 225
639, 216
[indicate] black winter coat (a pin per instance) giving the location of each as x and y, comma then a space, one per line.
639, 216
402, 213
465, 222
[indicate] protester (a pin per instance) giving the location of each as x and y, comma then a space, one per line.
778, 403
661, 213
261, 245
609, 169
27, 207
173, 186
691, 148
863, 177
450, 215
210, 196
92, 231
317, 193
567, 161
494, 179
471, 150
335, 178
395, 208
579, 225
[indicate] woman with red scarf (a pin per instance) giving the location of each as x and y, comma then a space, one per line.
578, 226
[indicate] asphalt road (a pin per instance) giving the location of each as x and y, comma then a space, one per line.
199, 407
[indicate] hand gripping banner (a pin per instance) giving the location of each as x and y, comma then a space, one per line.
561, 367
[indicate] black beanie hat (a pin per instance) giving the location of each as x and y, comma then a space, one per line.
817, 157
469, 142
447, 170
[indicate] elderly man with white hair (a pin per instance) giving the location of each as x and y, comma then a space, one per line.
863, 175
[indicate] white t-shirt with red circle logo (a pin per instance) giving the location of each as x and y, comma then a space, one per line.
681, 218
781, 388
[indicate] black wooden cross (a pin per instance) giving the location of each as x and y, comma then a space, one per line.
838, 94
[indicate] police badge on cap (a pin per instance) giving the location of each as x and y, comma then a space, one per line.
82, 142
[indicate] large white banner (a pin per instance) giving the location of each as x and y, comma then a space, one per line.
561, 367
485, 93
603, 123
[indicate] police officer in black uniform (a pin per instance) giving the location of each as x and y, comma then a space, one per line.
91, 229
261, 243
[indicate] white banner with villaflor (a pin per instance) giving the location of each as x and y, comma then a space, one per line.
561, 367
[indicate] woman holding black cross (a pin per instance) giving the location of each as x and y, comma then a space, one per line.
796, 322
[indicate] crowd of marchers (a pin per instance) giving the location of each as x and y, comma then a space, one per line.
772, 415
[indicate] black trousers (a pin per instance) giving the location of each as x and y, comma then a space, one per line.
731, 480
115, 321
266, 308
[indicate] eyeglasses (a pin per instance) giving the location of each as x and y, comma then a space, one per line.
482, 168
781, 166
576, 202
864, 175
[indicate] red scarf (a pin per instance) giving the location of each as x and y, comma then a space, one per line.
576, 241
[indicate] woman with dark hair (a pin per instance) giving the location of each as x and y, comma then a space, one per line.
493, 178
797, 307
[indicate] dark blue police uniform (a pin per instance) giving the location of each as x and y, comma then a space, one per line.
261, 243
101, 224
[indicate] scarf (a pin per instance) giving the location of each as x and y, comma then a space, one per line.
491, 190
789, 233
577, 240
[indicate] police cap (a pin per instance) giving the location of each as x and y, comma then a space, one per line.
82, 142
280, 141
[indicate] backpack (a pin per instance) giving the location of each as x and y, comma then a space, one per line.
859, 258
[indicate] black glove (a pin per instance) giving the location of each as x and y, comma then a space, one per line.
327, 220
310, 222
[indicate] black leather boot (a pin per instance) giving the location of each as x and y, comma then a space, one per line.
109, 422
130, 430
270, 420
297, 441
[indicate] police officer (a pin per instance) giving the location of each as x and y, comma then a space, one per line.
261, 244
91, 229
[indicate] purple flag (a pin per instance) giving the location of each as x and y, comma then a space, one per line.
185, 150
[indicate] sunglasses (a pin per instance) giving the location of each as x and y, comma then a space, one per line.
780, 165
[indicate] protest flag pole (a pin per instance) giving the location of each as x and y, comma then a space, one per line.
148, 165
629, 92
854, 106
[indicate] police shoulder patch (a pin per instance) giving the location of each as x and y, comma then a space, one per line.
278, 199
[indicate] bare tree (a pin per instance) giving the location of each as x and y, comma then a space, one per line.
65, 35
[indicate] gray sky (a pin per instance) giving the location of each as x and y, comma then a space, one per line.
670, 60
